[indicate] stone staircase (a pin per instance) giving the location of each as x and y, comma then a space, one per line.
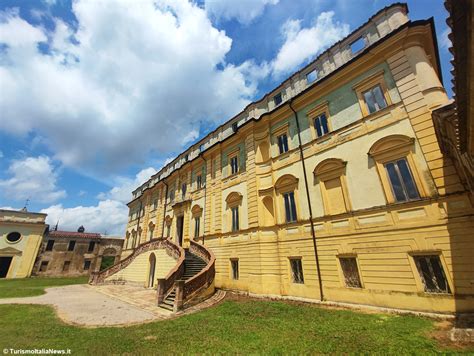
192, 266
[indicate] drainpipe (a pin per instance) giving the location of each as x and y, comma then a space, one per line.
205, 194
313, 233
164, 210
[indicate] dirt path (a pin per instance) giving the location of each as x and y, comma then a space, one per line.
82, 305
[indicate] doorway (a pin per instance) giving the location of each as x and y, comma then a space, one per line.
151, 275
5, 263
179, 229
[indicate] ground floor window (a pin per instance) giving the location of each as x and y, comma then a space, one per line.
43, 266
297, 270
432, 274
350, 271
87, 265
66, 266
235, 268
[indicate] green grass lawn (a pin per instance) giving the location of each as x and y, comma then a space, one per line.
28, 287
235, 326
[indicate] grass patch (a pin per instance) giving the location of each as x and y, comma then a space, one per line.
236, 327
29, 287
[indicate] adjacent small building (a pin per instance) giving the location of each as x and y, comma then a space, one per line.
69, 253
21, 233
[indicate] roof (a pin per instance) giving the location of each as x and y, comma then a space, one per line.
74, 234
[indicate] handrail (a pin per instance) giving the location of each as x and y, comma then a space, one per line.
172, 249
205, 277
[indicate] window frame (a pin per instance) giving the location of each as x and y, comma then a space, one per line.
66, 266
197, 226
199, 181
91, 243
343, 275
47, 244
402, 181
291, 209
45, 264
293, 273
281, 148
235, 224
316, 112
71, 243
367, 84
234, 156
89, 265
391, 148
234, 273
418, 279
279, 101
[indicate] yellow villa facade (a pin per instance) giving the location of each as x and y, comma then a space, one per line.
332, 187
21, 233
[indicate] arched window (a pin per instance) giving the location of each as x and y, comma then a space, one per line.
393, 156
234, 203
332, 180
168, 222
197, 214
151, 230
287, 190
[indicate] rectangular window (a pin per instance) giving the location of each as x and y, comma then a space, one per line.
199, 182
87, 265
235, 269
235, 218
43, 266
71, 245
350, 271
311, 76
297, 270
183, 190
155, 204
374, 99
66, 266
357, 45
234, 165
186, 157
234, 127
49, 245
91, 246
290, 207
277, 99
201, 147
197, 222
283, 143
321, 124
432, 274
168, 230
401, 181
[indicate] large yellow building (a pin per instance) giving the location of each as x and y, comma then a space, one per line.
331, 187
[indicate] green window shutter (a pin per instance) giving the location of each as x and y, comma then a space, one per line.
225, 164
203, 173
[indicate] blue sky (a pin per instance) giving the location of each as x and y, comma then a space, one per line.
96, 96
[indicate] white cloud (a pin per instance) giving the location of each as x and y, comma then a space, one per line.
124, 186
133, 78
33, 178
107, 216
444, 40
302, 44
244, 11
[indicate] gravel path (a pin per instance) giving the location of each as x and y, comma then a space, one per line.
82, 305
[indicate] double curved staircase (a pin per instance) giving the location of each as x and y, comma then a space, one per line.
190, 281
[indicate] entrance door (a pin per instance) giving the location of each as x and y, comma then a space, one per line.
151, 276
179, 229
5, 263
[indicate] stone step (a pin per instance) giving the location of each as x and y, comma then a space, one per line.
166, 306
